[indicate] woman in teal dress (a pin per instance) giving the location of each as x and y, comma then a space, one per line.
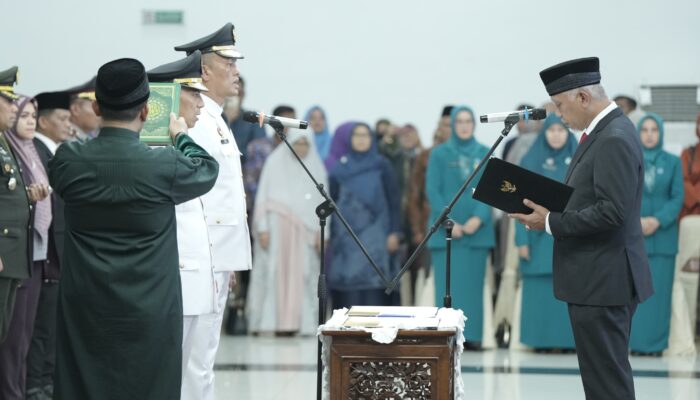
661, 203
544, 322
450, 164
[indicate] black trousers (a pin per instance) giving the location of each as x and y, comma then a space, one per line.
41, 360
8, 293
602, 337
13, 351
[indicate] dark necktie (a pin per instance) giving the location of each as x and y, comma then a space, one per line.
583, 138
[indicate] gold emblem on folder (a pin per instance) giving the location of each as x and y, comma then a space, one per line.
508, 187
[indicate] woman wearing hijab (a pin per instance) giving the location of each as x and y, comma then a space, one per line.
340, 144
16, 347
544, 319
322, 135
661, 202
410, 145
450, 164
365, 189
287, 235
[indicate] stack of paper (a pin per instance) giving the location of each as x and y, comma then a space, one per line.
392, 317
410, 312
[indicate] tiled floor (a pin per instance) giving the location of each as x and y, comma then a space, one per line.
285, 368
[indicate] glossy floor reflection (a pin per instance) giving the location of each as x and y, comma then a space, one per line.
285, 368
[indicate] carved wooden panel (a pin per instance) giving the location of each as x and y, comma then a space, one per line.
417, 365
377, 380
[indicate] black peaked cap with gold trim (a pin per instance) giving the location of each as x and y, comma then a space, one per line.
85, 91
8, 80
187, 72
221, 42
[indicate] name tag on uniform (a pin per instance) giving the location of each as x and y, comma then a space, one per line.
227, 148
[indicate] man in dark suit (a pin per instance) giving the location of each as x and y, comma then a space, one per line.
42, 355
53, 125
600, 264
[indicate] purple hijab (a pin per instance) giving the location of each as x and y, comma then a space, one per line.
340, 145
32, 168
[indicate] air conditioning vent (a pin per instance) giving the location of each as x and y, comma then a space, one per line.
677, 103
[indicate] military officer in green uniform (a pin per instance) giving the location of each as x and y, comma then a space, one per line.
120, 304
84, 122
14, 215
16, 312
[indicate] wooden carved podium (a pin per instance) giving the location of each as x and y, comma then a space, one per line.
380, 353
418, 364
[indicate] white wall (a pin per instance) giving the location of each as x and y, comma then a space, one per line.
365, 59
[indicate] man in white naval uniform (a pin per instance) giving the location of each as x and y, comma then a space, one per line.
213, 238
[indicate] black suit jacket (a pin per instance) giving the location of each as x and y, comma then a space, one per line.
58, 225
599, 254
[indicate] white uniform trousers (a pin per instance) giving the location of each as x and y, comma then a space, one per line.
200, 338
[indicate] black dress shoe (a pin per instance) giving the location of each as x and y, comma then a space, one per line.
646, 354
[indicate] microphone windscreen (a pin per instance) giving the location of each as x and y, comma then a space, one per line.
538, 113
250, 116
484, 119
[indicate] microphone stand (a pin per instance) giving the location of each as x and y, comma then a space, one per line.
323, 211
510, 122
448, 224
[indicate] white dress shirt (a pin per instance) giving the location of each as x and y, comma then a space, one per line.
47, 141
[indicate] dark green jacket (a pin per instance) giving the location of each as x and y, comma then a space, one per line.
14, 217
119, 328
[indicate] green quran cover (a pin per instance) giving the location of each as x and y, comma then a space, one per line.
164, 99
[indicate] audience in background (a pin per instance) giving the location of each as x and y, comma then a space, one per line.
515, 148
244, 132
691, 176
628, 105
318, 124
450, 164
689, 247
340, 144
257, 152
287, 241
363, 185
661, 202
544, 320
418, 207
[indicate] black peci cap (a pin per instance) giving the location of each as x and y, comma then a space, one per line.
221, 42
187, 72
122, 84
447, 110
571, 75
53, 100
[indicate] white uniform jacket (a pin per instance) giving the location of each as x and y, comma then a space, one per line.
212, 231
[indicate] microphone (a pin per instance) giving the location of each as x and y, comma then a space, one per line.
522, 115
260, 118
